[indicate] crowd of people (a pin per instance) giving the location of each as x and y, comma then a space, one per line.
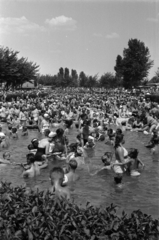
96, 117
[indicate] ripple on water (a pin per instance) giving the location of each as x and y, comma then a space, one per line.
138, 193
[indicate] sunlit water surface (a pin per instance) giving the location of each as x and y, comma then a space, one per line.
138, 193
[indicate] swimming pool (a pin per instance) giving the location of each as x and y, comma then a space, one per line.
138, 193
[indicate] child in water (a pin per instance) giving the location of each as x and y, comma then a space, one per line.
32, 168
14, 133
132, 163
71, 175
24, 131
6, 158
90, 144
57, 177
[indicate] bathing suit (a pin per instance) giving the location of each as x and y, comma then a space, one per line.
39, 153
121, 169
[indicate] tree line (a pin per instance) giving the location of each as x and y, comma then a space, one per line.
131, 70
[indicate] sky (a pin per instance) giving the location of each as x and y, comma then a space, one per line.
85, 35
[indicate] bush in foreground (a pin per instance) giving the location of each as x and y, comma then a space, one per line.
42, 216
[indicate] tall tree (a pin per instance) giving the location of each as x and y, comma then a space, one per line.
135, 64
74, 78
107, 80
13, 71
83, 79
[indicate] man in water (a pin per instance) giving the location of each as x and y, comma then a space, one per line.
57, 177
72, 176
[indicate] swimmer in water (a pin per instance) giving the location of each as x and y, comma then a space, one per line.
6, 158
57, 178
14, 133
72, 176
32, 169
90, 144
132, 163
106, 159
24, 131
4, 142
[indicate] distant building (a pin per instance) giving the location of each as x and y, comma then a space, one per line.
28, 84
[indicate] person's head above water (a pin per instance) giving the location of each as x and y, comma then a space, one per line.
119, 131
119, 139
57, 175
59, 132
106, 158
6, 155
73, 164
46, 132
30, 158
35, 142
133, 153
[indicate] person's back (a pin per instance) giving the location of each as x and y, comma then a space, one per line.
57, 177
34, 169
71, 175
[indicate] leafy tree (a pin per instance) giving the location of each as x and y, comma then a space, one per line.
155, 79
13, 71
157, 73
74, 78
135, 64
83, 79
107, 80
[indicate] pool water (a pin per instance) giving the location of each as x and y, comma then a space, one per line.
138, 193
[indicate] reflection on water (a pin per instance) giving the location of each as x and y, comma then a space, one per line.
138, 193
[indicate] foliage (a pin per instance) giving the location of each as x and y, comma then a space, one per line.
108, 80
133, 68
42, 216
15, 71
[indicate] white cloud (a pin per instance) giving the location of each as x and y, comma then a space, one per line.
18, 25
156, 19
98, 35
62, 22
112, 35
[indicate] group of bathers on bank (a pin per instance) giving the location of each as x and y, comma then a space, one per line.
95, 117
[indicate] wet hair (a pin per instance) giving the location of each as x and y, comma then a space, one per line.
35, 143
133, 153
14, 130
25, 128
73, 164
156, 140
31, 157
60, 132
118, 180
73, 147
10, 127
30, 147
118, 139
47, 132
123, 123
118, 131
106, 156
57, 173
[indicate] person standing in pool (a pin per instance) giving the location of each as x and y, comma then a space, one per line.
43, 147
121, 155
132, 163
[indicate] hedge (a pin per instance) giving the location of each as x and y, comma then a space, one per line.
42, 216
